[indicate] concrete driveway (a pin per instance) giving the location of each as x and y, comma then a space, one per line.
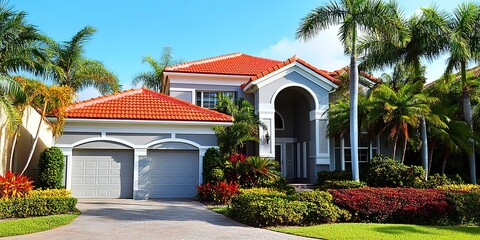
152, 219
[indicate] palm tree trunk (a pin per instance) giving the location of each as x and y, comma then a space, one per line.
37, 135
404, 150
394, 156
14, 144
354, 109
446, 155
467, 114
424, 147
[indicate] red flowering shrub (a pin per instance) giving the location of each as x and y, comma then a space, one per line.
220, 193
14, 185
394, 205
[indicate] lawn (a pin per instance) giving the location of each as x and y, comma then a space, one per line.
222, 209
34, 224
363, 231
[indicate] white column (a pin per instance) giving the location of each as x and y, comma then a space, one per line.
305, 159
201, 153
136, 158
342, 154
68, 153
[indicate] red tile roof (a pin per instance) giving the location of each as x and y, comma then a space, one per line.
143, 104
341, 71
229, 64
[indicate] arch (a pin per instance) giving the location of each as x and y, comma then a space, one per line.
280, 118
312, 94
107, 139
179, 140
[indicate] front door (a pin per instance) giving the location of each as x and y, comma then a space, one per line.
279, 157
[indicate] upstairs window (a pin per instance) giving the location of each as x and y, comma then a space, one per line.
208, 99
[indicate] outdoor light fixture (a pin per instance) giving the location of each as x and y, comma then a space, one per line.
267, 137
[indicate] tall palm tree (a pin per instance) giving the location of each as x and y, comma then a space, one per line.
354, 17
10, 93
426, 40
464, 46
154, 80
401, 110
19, 43
70, 68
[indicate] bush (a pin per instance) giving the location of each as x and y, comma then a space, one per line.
434, 181
394, 205
323, 209
466, 207
213, 165
219, 193
342, 184
249, 171
460, 187
51, 168
387, 172
49, 193
36, 206
324, 176
280, 184
14, 185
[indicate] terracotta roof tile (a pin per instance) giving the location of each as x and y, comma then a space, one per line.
143, 104
341, 71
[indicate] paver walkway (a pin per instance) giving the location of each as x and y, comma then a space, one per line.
152, 219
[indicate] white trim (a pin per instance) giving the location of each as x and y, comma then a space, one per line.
281, 118
313, 95
205, 75
298, 159
342, 154
95, 139
305, 159
179, 140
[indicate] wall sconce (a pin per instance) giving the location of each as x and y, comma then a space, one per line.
267, 137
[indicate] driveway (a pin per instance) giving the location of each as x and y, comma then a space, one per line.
152, 219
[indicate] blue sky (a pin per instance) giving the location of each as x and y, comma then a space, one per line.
127, 30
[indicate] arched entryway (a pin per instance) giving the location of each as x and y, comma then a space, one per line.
295, 134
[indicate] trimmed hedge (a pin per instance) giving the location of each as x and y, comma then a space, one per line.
49, 193
466, 207
339, 175
384, 171
36, 206
460, 187
266, 207
394, 205
342, 184
51, 168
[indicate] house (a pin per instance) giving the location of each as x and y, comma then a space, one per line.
141, 144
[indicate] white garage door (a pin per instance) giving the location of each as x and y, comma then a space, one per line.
173, 174
102, 173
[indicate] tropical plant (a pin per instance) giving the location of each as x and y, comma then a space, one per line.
69, 67
463, 46
400, 110
10, 93
249, 171
48, 100
14, 185
354, 17
19, 43
155, 79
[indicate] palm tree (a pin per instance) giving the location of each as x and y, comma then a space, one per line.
19, 43
463, 46
354, 17
426, 40
401, 110
10, 93
154, 80
70, 68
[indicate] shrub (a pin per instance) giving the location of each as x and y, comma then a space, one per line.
394, 205
213, 165
434, 181
387, 172
269, 211
49, 193
249, 171
323, 176
466, 207
219, 193
460, 187
279, 184
342, 184
51, 168
323, 209
14, 185
258, 193
36, 206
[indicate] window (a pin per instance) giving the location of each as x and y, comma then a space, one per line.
208, 99
279, 124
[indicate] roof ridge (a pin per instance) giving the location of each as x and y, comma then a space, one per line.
100, 99
189, 104
204, 60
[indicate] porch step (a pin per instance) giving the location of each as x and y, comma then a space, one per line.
302, 187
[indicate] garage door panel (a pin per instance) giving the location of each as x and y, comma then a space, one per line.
173, 174
102, 173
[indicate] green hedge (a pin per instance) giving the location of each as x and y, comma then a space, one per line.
36, 206
339, 175
265, 207
466, 206
51, 168
341, 184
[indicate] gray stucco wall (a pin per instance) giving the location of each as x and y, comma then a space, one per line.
139, 138
202, 139
72, 137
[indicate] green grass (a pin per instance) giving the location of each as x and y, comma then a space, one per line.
363, 231
222, 209
34, 224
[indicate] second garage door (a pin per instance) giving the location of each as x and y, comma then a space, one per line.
173, 174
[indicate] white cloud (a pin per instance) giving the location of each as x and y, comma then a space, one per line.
323, 51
